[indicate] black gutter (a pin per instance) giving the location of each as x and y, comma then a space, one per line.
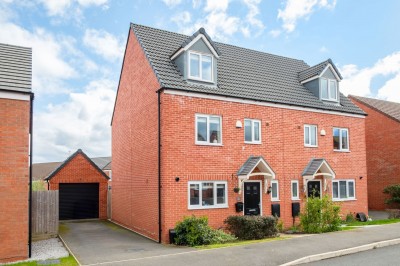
30, 174
159, 166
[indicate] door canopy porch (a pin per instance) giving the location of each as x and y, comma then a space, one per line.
247, 171
315, 168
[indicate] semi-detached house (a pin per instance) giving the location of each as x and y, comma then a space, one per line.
194, 119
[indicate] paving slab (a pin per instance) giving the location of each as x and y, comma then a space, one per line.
94, 242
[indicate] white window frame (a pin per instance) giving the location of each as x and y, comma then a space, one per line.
309, 136
207, 142
200, 67
329, 90
291, 189
215, 206
277, 192
347, 189
340, 139
252, 131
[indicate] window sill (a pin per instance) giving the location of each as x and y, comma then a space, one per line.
330, 100
352, 199
208, 144
310, 146
275, 200
253, 143
341, 150
207, 207
201, 80
295, 199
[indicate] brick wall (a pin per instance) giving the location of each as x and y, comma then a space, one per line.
383, 156
80, 170
135, 145
282, 146
14, 179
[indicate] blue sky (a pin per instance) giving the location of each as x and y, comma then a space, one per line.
78, 47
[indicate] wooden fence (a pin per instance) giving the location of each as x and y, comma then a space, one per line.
44, 214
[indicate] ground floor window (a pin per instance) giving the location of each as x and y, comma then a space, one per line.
207, 194
295, 189
343, 189
274, 190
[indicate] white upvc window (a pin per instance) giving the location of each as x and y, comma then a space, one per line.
340, 139
329, 89
310, 136
252, 131
274, 190
295, 189
343, 190
208, 130
200, 66
207, 194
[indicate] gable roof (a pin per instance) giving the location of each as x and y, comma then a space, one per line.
251, 163
15, 68
390, 109
317, 70
58, 169
190, 39
314, 165
242, 73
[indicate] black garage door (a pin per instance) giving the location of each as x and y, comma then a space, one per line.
79, 201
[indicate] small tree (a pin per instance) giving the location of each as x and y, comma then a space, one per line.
394, 192
320, 215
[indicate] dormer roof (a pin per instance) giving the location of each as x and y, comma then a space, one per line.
200, 34
317, 71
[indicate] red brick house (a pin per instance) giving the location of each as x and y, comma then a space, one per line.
194, 119
16, 101
382, 131
82, 188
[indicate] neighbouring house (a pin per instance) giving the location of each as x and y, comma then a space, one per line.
82, 186
382, 133
194, 119
16, 100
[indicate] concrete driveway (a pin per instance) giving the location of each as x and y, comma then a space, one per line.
99, 242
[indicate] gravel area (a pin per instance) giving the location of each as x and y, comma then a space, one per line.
48, 249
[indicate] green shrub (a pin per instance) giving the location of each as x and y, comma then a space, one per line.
194, 231
320, 215
394, 192
350, 218
38, 185
252, 227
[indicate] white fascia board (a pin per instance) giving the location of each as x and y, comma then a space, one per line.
200, 36
333, 71
309, 79
14, 96
245, 101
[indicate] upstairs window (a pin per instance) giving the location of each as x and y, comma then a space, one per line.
329, 90
208, 129
200, 67
340, 139
310, 136
252, 131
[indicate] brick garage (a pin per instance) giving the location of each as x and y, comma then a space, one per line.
382, 128
15, 105
79, 179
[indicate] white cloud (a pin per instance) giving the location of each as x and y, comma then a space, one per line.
274, 33
216, 5
63, 7
323, 49
50, 67
182, 18
81, 122
172, 3
358, 81
104, 44
254, 11
196, 3
298, 9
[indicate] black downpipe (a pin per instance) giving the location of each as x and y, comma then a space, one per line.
30, 174
159, 167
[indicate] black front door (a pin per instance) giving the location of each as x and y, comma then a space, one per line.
314, 189
252, 198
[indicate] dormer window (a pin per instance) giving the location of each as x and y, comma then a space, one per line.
329, 89
200, 66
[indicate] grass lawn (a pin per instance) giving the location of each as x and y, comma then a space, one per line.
67, 261
240, 243
376, 222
